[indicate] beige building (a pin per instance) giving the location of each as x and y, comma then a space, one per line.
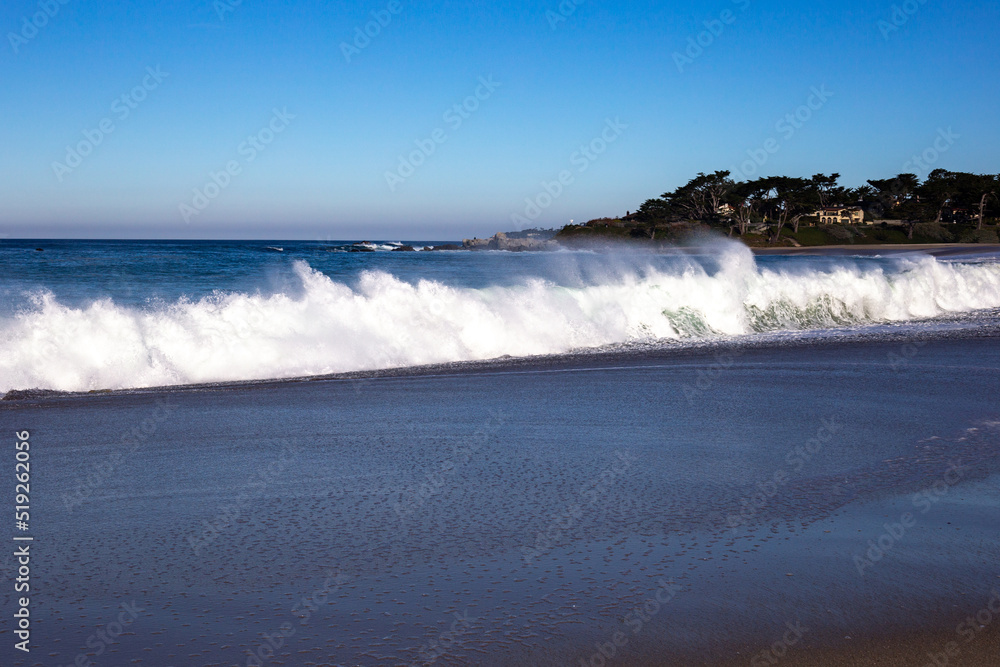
840, 215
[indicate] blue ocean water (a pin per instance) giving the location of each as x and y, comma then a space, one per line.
135, 272
86, 315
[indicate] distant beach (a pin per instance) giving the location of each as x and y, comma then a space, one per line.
935, 249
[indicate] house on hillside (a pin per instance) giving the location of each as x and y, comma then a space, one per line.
840, 215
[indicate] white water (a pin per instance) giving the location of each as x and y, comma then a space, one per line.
382, 322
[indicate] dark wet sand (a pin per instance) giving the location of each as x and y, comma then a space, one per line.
549, 507
915, 649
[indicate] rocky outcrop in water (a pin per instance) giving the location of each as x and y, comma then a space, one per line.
503, 241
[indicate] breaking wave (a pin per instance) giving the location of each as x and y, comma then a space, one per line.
380, 321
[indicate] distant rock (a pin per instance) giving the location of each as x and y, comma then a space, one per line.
504, 241
446, 246
404, 248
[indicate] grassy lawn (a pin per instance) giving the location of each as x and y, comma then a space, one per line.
883, 235
809, 236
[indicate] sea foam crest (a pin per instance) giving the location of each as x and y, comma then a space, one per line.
380, 321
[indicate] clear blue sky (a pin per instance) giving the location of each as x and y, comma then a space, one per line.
324, 173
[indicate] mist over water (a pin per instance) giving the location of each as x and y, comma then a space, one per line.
300, 315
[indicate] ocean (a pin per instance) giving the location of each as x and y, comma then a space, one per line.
97, 315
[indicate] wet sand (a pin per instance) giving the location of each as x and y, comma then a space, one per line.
692, 507
935, 249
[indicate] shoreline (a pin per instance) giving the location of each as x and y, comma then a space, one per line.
935, 249
575, 361
501, 241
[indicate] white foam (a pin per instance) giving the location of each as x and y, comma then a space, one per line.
382, 322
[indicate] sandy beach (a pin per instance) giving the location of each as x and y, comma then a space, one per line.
935, 249
695, 507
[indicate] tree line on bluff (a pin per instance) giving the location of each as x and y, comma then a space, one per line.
776, 201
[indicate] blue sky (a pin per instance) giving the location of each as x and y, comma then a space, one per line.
558, 81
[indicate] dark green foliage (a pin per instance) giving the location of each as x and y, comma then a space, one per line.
767, 209
933, 232
980, 236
